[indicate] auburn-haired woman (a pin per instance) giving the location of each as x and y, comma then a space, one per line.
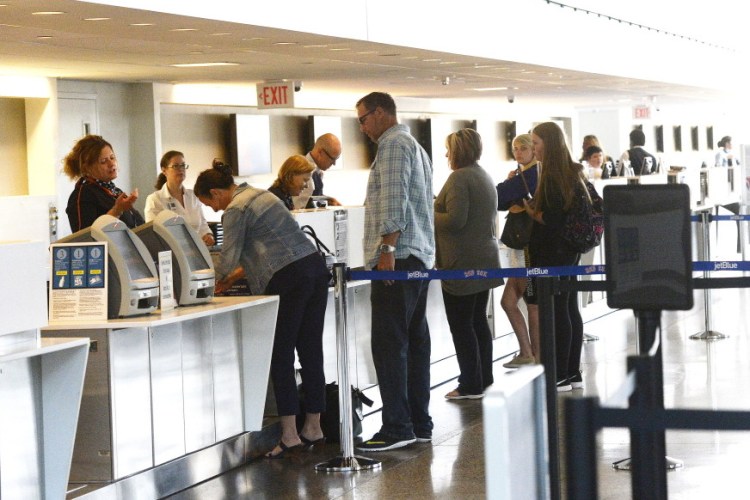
294, 175
93, 165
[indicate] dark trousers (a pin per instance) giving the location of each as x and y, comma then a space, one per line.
302, 287
472, 338
401, 353
568, 334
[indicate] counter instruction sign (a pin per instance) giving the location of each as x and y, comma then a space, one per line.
78, 285
166, 291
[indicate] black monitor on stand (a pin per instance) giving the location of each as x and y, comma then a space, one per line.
648, 251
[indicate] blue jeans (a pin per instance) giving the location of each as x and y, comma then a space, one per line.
472, 338
401, 353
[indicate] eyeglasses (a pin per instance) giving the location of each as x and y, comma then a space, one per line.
362, 118
333, 160
180, 166
104, 159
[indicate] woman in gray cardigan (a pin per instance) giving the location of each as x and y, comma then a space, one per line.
465, 212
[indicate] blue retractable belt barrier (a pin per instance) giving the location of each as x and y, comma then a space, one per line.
522, 272
698, 218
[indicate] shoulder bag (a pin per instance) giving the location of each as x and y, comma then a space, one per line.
517, 229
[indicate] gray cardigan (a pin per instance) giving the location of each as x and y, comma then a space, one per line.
465, 213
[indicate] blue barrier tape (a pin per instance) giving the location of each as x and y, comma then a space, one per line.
698, 218
522, 272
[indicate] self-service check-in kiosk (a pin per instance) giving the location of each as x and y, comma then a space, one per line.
192, 267
133, 283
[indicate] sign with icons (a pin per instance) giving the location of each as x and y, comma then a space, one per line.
275, 95
78, 285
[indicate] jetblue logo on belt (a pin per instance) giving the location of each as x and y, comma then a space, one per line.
417, 275
725, 266
536, 271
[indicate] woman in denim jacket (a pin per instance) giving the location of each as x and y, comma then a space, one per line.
276, 258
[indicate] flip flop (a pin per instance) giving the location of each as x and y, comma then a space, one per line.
284, 450
310, 443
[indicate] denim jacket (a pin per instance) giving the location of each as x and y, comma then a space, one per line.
261, 235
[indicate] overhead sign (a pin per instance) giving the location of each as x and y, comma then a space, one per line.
275, 95
642, 112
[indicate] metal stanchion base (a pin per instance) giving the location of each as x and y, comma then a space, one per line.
590, 338
708, 335
347, 464
624, 464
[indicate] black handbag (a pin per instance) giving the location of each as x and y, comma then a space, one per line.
517, 230
329, 420
323, 250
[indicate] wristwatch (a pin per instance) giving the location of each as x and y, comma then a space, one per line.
386, 248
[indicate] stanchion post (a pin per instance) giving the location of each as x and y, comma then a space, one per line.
708, 333
743, 233
649, 468
546, 305
580, 448
347, 462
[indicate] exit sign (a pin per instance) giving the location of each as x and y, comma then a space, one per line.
642, 112
275, 95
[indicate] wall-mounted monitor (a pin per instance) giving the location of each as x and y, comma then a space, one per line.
659, 136
694, 141
133, 282
677, 134
250, 144
510, 134
192, 267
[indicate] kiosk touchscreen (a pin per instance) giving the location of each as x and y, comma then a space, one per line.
133, 281
192, 267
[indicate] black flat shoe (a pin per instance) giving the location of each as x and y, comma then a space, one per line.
310, 443
284, 450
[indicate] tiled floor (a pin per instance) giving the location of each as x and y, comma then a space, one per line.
697, 374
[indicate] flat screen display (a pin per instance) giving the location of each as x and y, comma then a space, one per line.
190, 249
648, 247
133, 260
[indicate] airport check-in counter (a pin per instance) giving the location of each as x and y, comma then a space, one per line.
160, 386
41, 381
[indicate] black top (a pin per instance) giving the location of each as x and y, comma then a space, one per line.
317, 182
638, 157
91, 199
546, 246
285, 198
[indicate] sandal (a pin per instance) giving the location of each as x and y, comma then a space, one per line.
284, 450
310, 443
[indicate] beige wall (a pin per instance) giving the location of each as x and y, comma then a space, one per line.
13, 148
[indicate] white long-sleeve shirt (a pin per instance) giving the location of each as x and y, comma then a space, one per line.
192, 212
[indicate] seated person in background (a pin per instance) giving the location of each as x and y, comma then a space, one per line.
171, 195
293, 176
593, 162
92, 162
641, 161
592, 140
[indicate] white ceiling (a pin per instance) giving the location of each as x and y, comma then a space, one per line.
69, 46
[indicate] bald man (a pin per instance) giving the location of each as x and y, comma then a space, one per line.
325, 152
